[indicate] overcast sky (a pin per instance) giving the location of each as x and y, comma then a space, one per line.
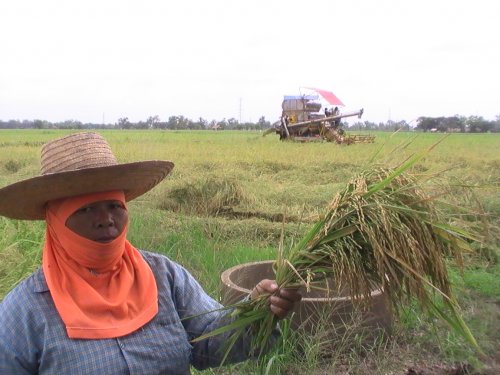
95, 60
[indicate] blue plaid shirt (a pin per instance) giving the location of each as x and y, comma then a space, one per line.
33, 338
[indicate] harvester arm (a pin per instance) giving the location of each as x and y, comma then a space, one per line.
329, 118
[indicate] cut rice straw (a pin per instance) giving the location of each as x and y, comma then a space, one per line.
381, 231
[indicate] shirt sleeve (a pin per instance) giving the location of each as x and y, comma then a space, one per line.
17, 336
10, 361
201, 314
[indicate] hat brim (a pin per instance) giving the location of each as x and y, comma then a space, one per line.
25, 200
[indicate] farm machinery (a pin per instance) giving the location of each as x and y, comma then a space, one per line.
302, 121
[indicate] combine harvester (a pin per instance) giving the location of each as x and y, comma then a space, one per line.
303, 120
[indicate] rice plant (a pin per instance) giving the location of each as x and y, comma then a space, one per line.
381, 231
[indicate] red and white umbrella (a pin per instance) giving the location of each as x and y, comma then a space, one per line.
329, 96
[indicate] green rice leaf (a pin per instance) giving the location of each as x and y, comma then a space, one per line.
456, 322
338, 234
241, 322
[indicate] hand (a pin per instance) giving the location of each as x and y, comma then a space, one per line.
281, 301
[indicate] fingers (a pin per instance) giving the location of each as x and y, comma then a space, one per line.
280, 302
265, 286
280, 306
290, 294
268, 286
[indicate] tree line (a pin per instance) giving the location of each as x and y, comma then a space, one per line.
462, 124
458, 124
152, 122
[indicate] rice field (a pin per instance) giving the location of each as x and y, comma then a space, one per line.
230, 193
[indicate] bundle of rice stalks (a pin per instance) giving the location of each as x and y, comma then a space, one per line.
380, 231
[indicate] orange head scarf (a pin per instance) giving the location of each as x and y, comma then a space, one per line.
101, 290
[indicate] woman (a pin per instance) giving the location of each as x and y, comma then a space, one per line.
98, 305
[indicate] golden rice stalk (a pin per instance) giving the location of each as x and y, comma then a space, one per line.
380, 231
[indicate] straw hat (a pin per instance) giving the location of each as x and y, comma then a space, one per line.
78, 164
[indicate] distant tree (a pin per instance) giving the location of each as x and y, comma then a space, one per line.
496, 127
40, 124
14, 124
401, 125
198, 125
473, 124
427, 123
441, 124
262, 123
232, 123
172, 122
152, 121
477, 124
449, 124
213, 124
161, 125
184, 123
69, 124
201, 123
223, 124
141, 125
369, 125
124, 123
178, 122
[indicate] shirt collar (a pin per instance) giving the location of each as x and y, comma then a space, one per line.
40, 285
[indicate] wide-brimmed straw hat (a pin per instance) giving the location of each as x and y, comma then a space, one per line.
77, 164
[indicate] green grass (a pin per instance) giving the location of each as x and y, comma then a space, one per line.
270, 178
20, 251
485, 282
481, 279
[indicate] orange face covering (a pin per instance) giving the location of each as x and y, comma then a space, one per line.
101, 290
